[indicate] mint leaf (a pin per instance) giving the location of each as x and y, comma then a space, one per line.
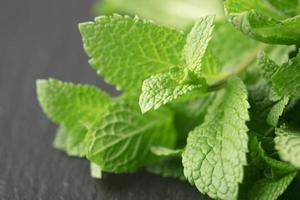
120, 141
64, 140
161, 89
61, 138
285, 78
276, 111
277, 167
197, 43
265, 177
66, 102
265, 107
268, 189
287, 145
72, 106
268, 21
164, 88
215, 154
128, 50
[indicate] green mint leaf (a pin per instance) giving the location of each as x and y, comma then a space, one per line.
170, 167
70, 142
285, 79
126, 50
165, 152
265, 177
267, 21
161, 89
197, 43
269, 189
72, 106
276, 111
278, 167
173, 13
61, 139
279, 53
287, 145
265, 107
96, 171
120, 141
215, 154
69, 103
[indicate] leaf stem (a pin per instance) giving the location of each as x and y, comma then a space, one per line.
241, 67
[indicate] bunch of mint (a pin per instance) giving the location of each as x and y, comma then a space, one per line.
217, 106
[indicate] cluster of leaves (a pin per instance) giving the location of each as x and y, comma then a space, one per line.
216, 106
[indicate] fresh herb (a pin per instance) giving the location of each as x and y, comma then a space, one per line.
216, 105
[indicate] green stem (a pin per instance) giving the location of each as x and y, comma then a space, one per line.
251, 57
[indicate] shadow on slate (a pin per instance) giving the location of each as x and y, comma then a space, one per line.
40, 39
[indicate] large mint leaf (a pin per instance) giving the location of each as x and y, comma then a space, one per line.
120, 141
287, 143
215, 154
128, 50
269, 21
72, 106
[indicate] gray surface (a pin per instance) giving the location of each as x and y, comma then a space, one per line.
39, 39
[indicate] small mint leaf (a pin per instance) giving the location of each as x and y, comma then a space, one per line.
161, 89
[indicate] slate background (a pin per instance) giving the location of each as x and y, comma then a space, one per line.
40, 39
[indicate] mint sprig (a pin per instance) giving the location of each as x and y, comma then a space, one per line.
214, 105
